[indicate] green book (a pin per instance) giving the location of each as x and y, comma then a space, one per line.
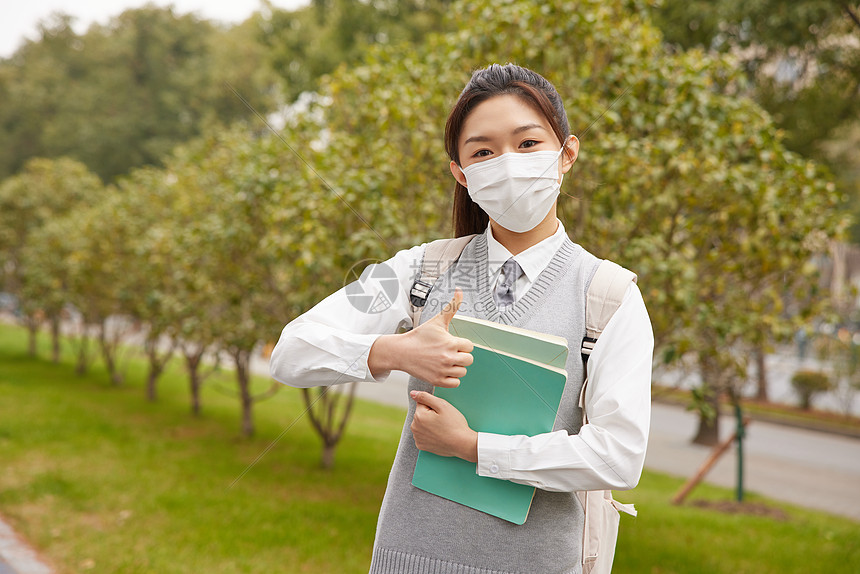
501, 393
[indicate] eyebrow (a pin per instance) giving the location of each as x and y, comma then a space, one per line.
520, 129
528, 127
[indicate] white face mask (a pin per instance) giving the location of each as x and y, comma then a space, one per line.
516, 190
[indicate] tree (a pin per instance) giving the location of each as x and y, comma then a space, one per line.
802, 57
31, 86
101, 274
230, 180
147, 201
802, 60
807, 384
43, 191
305, 44
44, 282
124, 94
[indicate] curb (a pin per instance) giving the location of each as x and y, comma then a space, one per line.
16, 557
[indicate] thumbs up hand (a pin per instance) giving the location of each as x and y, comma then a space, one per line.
433, 354
428, 352
450, 309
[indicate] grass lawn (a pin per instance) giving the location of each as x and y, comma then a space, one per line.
100, 480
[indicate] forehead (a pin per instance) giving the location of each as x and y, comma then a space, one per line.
501, 115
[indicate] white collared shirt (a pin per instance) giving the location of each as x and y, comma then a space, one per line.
532, 261
330, 344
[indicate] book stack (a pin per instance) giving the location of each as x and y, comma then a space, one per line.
513, 387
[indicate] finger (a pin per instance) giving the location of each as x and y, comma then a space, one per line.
419, 405
464, 345
448, 383
428, 400
464, 359
457, 372
449, 310
419, 412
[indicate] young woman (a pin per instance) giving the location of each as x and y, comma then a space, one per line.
510, 145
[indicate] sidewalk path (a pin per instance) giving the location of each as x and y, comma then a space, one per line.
806, 468
16, 557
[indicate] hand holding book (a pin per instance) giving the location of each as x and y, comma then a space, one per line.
440, 428
514, 388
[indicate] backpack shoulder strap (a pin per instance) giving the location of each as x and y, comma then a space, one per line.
439, 255
604, 296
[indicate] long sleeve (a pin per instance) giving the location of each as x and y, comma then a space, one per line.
608, 452
330, 343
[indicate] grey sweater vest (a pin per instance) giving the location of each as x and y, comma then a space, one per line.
419, 532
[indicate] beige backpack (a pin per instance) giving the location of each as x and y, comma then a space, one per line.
604, 296
600, 532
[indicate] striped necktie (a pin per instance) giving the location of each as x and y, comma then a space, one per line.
503, 294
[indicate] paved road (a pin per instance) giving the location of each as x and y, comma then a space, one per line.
807, 468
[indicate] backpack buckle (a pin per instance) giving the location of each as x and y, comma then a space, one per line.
418, 293
587, 347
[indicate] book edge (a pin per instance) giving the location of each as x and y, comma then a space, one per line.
546, 366
545, 337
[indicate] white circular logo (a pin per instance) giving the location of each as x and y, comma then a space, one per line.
376, 288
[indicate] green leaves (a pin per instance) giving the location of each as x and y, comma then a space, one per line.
124, 94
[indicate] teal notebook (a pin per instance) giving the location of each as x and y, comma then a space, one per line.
501, 393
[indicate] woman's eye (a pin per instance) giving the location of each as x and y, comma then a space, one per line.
529, 143
482, 153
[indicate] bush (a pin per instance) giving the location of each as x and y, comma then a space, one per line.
808, 384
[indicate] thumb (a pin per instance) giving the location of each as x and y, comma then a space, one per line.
449, 310
428, 400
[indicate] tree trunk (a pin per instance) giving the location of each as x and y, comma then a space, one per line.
242, 360
33, 330
195, 380
108, 349
195, 393
55, 339
708, 433
151, 386
328, 456
83, 354
761, 374
154, 370
156, 366
323, 415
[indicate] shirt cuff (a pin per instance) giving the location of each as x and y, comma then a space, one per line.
360, 367
494, 455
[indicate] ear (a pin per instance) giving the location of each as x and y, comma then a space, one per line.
571, 152
458, 173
